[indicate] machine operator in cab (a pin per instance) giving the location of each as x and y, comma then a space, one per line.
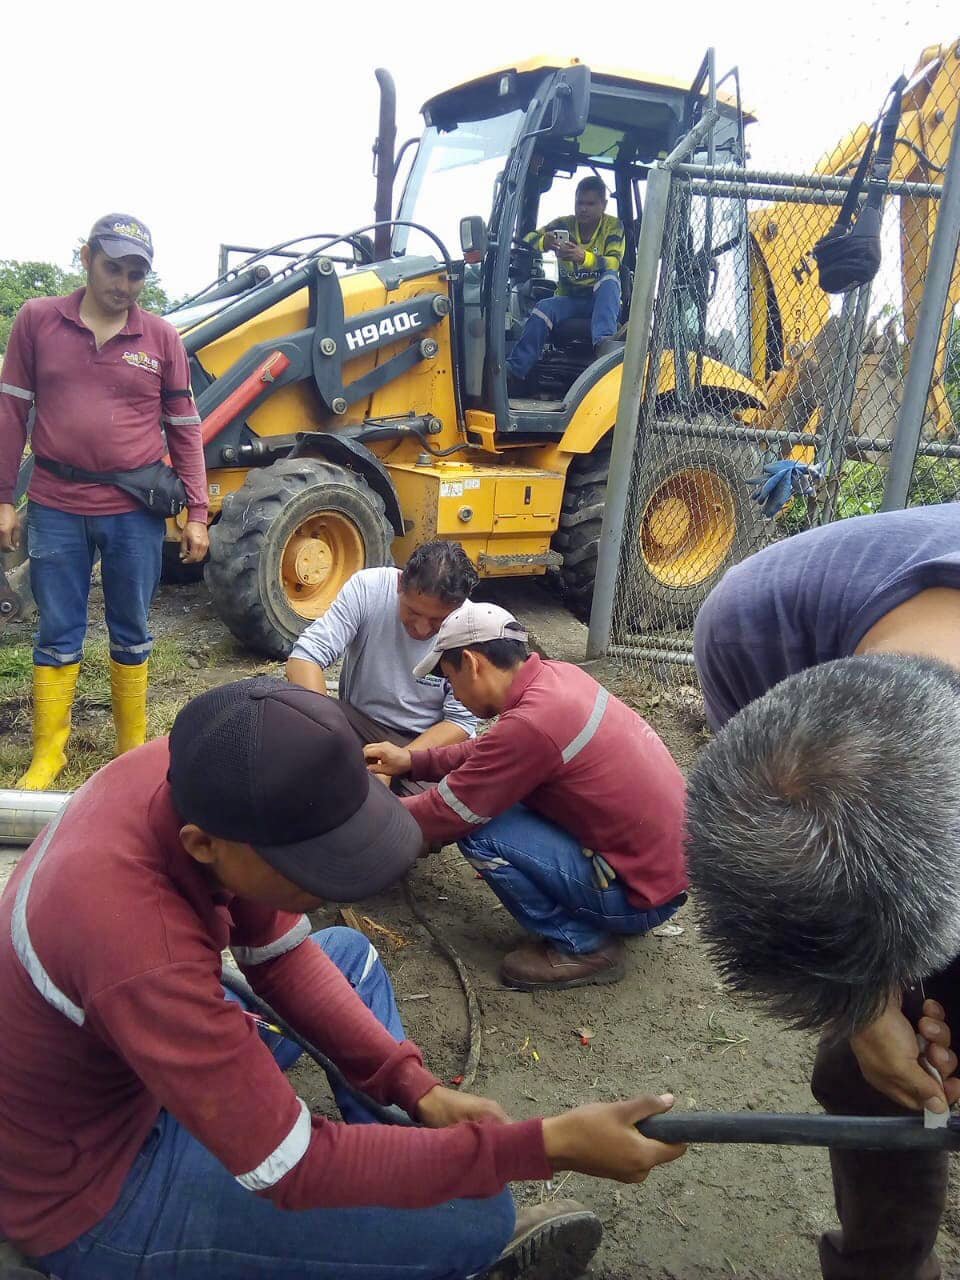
589, 245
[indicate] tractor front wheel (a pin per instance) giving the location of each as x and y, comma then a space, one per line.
285, 544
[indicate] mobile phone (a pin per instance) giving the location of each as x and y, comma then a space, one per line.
561, 236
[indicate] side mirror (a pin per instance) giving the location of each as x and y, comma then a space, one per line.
572, 103
473, 238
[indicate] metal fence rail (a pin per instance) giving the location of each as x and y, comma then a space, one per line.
736, 360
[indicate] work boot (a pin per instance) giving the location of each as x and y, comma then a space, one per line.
552, 1241
53, 690
536, 966
128, 694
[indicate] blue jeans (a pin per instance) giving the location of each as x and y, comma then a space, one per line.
540, 874
63, 549
182, 1216
603, 310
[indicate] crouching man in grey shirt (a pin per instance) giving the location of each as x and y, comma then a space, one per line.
382, 624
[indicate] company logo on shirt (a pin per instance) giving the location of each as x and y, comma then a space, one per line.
141, 360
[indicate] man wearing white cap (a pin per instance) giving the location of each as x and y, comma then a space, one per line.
570, 806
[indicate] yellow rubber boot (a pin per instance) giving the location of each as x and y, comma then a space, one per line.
53, 689
128, 693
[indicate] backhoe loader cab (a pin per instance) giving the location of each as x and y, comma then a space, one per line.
353, 409
511, 147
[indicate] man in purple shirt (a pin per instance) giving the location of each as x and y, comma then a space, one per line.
824, 838
105, 381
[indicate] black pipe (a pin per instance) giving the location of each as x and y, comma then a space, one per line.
859, 1133
236, 983
384, 165
240, 283
245, 309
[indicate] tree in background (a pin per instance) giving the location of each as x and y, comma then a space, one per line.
22, 280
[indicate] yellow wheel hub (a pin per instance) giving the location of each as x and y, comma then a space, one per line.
688, 527
318, 558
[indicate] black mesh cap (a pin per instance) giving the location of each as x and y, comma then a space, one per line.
270, 764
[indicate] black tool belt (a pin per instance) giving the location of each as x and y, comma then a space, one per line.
155, 486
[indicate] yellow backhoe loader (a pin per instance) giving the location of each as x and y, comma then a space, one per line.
353, 388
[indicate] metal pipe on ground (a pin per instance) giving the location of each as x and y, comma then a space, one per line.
651, 654
24, 814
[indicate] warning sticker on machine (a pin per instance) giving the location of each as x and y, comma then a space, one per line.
471, 484
451, 489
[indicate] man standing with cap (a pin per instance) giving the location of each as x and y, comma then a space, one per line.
570, 806
105, 381
146, 1128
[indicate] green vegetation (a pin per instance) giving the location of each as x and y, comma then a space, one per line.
861, 485
952, 371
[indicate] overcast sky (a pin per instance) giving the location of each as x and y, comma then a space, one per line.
252, 123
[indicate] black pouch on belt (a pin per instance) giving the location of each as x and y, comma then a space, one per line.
849, 254
155, 486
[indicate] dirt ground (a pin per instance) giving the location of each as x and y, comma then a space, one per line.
720, 1212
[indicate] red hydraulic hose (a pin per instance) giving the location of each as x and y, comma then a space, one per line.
275, 364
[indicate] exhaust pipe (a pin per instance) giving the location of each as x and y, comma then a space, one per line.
384, 163
24, 814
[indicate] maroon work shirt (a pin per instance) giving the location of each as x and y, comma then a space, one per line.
575, 754
111, 1008
101, 410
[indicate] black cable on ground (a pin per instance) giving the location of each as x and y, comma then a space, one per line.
234, 981
469, 1072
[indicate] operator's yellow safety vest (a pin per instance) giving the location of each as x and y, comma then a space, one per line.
604, 252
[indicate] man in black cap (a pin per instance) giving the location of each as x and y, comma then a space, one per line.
104, 380
145, 1125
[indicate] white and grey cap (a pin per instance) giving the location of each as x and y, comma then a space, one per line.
472, 623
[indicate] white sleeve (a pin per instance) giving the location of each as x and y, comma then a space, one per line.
455, 712
326, 640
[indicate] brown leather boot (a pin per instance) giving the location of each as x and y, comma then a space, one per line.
536, 966
552, 1241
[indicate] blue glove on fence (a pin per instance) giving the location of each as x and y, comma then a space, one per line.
783, 480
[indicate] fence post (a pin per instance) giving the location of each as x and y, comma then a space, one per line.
636, 351
916, 391
840, 407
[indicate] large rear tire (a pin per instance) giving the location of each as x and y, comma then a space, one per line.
285, 544
696, 519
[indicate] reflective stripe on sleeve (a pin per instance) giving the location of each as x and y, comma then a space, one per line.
184, 420
19, 393
589, 729
23, 944
458, 807
271, 950
284, 1158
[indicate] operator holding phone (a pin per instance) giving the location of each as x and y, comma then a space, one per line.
589, 245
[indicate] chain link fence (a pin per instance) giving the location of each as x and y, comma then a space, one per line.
752, 365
